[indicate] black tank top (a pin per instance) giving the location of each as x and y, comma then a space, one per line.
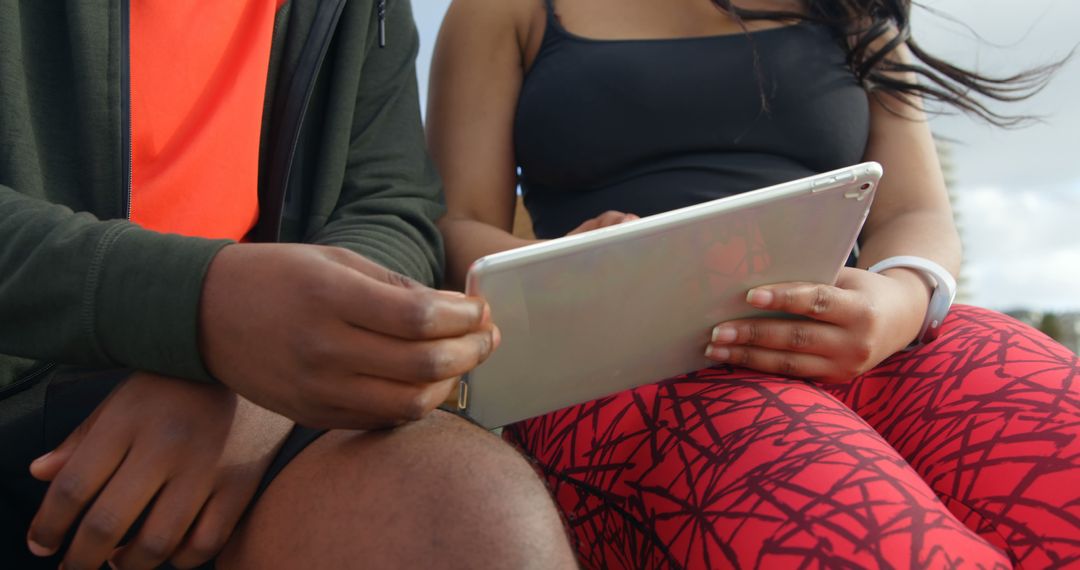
646, 126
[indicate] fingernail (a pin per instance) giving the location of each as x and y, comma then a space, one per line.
485, 314
39, 550
496, 338
717, 353
448, 293
42, 458
759, 297
724, 334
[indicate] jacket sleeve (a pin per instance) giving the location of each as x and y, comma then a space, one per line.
391, 194
78, 290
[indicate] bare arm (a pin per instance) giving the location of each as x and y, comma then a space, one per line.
475, 80
911, 213
855, 325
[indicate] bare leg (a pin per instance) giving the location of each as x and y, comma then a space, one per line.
436, 493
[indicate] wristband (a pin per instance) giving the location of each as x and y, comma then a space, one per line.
940, 300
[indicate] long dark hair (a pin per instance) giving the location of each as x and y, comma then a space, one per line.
871, 30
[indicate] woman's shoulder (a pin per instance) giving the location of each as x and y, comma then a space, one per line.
525, 19
516, 14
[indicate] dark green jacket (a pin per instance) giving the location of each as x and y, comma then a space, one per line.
342, 162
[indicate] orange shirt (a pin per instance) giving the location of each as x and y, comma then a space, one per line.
198, 78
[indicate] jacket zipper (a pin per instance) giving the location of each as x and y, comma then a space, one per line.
125, 105
293, 111
380, 15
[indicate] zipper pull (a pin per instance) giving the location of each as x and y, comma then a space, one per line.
381, 16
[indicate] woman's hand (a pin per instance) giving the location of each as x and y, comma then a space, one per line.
849, 328
608, 218
188, 455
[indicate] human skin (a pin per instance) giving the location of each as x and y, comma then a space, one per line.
192, 455
321, 334
484, 50
194, 452
333, 340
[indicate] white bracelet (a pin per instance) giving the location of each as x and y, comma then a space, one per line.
941, 299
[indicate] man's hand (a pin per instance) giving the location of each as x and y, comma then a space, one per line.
191, 456
333, 340
849, 328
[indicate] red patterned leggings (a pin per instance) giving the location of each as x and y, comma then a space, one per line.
962, 454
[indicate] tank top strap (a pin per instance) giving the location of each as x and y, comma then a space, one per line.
554, 26
549, 5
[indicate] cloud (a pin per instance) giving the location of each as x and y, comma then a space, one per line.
1010, 39
1022, 247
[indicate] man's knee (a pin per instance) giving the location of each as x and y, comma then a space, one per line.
438, 491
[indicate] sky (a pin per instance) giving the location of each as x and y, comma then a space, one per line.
1017, 191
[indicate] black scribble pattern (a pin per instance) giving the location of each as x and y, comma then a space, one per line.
961, 454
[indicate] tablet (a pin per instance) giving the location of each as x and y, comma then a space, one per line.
593, 314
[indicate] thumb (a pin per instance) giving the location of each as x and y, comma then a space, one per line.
852, 278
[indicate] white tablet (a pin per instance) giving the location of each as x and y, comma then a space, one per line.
593, 314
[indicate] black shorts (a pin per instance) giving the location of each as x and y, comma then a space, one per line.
37, 418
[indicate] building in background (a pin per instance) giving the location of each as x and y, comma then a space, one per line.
944, 150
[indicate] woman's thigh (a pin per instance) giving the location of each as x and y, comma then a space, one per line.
730, 468
989, 415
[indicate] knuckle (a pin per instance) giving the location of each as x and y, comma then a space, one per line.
752, 333
420, 318
175, 430
202, 549
416, 406
155, 546
788, 366
485, 345
435, 364
320, 287
800, 337
103, 524
789, 298
871, 312
398, 280
71, 489
208, 540
315, 349
741, 357
822, 300
863, 349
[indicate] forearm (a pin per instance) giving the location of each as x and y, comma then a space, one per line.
924, 233
468, 240
78, 290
